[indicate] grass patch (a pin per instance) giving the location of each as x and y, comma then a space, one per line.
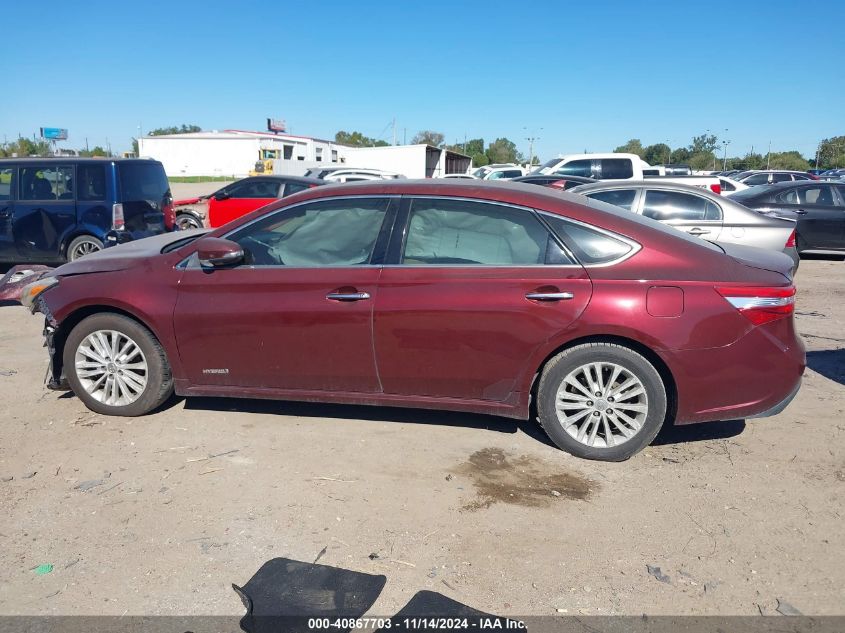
181, 179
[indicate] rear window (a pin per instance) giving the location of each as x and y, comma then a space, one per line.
581, 167
618, 197
589, 245
616, 168
143, 181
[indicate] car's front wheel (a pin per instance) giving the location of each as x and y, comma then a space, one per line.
601, 401
186, 221
116, 366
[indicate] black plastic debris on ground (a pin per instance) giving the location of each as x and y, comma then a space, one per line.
284, 594
432, 610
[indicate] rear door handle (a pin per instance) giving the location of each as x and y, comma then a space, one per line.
348, 296
698, 231
549, 296
801, 212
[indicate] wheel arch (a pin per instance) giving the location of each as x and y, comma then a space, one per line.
68, 239
75, 318
649, 354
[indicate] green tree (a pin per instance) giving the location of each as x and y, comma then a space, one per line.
428, 137
681, 155
656, 154
503, 150
788, 160
356, 139
701, 160
97, 151
634, 146
480, 159
175, 129
831, 153
706, 143
25, 147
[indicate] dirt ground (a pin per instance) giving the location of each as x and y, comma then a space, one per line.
159, 515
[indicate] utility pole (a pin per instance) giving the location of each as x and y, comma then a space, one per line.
404, 136
394, 130
768, 154
725, 161
531, 140
818, 147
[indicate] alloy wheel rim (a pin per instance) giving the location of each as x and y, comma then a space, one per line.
186, 224
84, 248
111, 368
601, 405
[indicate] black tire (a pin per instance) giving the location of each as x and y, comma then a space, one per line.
82, 243
187, 221
559, 367
159, 380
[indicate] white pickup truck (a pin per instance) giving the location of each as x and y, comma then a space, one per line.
620, 167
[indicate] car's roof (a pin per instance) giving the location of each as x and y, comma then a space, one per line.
628, 184
303, 179
81, 159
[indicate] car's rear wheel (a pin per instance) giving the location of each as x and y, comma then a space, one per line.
116, 366
601, 401
82, 246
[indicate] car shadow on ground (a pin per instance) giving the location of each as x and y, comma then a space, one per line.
668, 435
685, 433
353, 412
830, 363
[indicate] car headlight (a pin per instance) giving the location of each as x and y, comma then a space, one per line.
32, 290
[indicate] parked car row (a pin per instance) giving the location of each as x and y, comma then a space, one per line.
449, 294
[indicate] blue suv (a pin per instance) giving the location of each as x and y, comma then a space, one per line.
59, 209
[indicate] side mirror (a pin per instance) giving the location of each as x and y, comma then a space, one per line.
221, 195
215, 252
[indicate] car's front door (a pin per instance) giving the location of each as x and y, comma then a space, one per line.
819, 213
684, 211
297, 314
45, 211
7, 211
472, 292
240, 198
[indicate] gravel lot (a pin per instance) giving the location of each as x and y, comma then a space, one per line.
137, 518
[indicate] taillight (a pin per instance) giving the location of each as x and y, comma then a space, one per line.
169, 216
117, 222
790, 243
760, 305
717, 188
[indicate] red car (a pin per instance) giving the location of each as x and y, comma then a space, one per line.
458, 295
238, 199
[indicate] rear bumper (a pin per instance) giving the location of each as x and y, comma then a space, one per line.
757, 375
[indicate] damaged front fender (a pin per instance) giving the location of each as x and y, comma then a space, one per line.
14, 281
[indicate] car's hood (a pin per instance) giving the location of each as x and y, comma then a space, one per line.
763, 258
126, 255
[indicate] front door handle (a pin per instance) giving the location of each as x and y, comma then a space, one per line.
698, 231
801, 212
549, 296
348, 296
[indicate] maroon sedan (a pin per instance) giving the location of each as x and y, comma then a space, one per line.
453, 295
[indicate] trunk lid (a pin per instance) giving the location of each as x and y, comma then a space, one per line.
761, 258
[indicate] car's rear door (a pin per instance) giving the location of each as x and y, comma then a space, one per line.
297, 315
7, 211
472, 290
683, 210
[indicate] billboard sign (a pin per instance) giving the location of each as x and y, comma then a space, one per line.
54, 133
276, 125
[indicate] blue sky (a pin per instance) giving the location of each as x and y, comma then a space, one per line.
591, 75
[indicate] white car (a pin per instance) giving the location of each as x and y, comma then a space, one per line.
730, 186
498, 172
353, 174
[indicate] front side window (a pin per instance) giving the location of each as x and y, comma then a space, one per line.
616, 168
757, 179
460, 232
590, 246
674, 205
6, 183
255, 189
618, 197
328, 233
821, 195
583, 167
46, 183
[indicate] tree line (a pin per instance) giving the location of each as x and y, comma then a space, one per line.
703, 153
502, 150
